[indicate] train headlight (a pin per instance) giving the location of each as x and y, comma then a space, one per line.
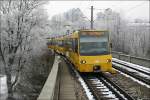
108, 60
82, 61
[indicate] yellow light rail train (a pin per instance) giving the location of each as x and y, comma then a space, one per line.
88, 50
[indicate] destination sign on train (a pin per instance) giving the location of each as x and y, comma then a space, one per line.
92, 33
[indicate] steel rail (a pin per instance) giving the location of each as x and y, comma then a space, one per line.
142, 79
96, 96
121, 95
144, 72
126, 95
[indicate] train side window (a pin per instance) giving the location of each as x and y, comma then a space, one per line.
62, 43
73, 45
76, 45
67, 43
70, 43
53, 42
56, 42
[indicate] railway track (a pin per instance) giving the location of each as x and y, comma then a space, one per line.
101, 87
141, 70
139, 74
104, 89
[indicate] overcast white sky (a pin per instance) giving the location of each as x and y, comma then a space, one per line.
128, 9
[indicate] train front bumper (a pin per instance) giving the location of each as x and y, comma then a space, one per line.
94, 68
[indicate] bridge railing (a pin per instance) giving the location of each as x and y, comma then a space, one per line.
48, 89
133, 59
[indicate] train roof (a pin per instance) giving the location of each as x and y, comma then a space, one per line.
75, 34
92, 30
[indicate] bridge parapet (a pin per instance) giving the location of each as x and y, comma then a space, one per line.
48, 90
133, 59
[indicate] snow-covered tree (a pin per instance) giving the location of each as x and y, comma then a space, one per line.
74, 18
19, 21
127, 38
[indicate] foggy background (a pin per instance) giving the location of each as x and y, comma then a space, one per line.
25, 60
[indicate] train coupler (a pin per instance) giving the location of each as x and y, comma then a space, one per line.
96, 68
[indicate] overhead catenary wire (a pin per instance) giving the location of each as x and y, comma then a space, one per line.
136, 6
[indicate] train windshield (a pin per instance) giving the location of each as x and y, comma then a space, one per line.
94, 43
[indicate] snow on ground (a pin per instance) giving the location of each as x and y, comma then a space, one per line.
86, 89
3, 87
132, 65
132, 70
134, 79
103, 88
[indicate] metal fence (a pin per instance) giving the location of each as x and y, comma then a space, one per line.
136, 60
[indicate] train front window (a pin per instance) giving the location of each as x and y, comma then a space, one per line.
94, 43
